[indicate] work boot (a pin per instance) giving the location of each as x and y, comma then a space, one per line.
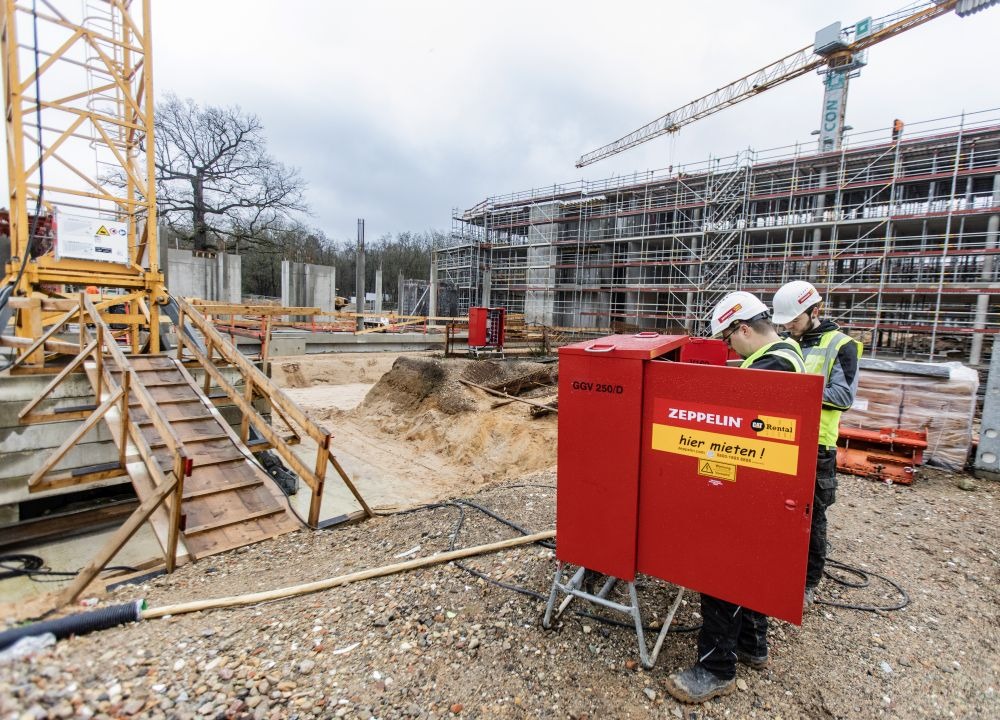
810, 597
696, 685
757, 662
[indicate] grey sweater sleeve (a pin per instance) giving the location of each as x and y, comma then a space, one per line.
842, 385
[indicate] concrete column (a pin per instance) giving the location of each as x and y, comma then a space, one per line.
378, 291
817, 233
359, 275
399, 293
487, 281
986, 275
432, 300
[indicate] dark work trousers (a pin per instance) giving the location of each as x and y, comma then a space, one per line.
725, 627
826, 495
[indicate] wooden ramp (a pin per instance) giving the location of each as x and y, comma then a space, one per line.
229, 500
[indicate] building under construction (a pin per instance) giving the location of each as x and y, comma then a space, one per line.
898, 230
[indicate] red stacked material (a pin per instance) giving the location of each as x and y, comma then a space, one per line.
890, 454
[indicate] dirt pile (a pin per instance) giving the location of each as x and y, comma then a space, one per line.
424, 401
331, 369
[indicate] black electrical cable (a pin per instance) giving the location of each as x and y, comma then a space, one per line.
32, 566
10, 289
865, 581
459, 504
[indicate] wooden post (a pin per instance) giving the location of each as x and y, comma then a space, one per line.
265, 347
316, 501
99, 358
126, 383
180, 469
154, 324
180, 333
29, 324
248, 396
209, 349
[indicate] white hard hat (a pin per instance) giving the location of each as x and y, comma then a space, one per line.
793, 299
739, 305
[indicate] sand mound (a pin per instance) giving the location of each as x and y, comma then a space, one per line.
330, 369
423, 401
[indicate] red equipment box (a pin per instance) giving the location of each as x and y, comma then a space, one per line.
704, 351
697, 474
600, 427
487, 327
728, 471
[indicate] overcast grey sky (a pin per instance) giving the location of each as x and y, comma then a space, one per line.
399, 111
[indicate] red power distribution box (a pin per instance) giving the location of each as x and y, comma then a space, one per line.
487, 327
694, 473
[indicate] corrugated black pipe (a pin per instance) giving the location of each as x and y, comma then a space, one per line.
78, 624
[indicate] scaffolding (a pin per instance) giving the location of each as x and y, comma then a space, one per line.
899, 234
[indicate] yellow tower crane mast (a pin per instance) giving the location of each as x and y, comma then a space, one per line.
78, 95
837, 53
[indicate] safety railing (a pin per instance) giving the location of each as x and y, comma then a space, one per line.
256, 383
115, 384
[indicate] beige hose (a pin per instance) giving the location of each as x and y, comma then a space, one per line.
339, 580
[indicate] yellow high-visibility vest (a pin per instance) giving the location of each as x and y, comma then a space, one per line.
819, 360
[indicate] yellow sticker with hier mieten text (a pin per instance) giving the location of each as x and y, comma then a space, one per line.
728, 449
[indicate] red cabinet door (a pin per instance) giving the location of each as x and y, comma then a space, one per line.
726, 484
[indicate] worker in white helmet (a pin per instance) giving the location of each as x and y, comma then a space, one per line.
834, 355
732, 633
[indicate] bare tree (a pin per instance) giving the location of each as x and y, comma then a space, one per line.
214, 176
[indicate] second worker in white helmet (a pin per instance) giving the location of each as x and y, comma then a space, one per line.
829, 352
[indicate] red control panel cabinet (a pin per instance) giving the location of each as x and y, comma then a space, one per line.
600, 430
727, 476
487, 327
696, 473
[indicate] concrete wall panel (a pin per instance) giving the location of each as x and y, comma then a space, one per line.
216, 278
308, 285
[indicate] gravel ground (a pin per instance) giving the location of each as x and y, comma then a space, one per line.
439, 642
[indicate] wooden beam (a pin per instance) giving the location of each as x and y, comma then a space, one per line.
509, 397
115, 543
209, 308
56, 346
259, 597
391, 326
75, 363
56, 326
350, 485
81, 430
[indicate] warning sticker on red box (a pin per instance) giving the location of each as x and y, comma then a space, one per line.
717, 470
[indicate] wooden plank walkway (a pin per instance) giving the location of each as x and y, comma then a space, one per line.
229, 500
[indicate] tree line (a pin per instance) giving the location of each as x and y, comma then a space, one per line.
218, 189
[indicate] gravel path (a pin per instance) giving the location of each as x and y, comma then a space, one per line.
439, 642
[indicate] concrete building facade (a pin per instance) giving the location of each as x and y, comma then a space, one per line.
899, 234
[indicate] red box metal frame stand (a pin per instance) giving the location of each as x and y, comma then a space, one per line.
647, 450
